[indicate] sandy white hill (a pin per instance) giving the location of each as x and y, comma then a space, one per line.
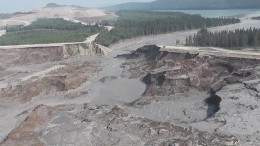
69, 12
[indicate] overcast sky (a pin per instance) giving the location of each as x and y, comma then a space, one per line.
7, 6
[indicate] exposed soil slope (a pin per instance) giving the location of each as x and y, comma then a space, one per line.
103, 125
205, 96
189, 88
72, 13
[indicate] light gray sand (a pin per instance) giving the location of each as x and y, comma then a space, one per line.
120, 90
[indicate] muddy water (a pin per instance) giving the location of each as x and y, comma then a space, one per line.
213, 102
172, 111
115, 90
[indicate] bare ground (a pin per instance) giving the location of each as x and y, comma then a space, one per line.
204, 88
115, 112
72, 13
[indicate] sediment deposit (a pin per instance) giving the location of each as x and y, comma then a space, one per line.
201, 90
83, 94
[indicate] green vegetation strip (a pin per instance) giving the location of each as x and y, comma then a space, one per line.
237, 39
131, 24
45, 31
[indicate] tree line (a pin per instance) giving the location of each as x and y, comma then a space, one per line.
52, 23
131, 24
42, 31
239, 38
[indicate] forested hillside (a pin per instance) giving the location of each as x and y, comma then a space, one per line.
139, 23
189, 5
47, 31
226, 39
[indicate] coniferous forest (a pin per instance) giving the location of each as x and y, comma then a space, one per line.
131, 24
43, 31
239, 38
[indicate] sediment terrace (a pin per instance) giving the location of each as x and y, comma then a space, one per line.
32, 65
64, 93
71, 49
211, 89
33, 72
213, 51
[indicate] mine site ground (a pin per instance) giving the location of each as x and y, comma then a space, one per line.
104, 81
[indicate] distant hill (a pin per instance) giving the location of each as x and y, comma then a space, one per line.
54, 5
189, 5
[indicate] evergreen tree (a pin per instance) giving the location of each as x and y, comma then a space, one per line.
139, 23
227, 39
